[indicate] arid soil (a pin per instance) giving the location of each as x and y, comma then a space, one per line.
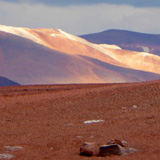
48, 121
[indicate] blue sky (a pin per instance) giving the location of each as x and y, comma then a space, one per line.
82, 16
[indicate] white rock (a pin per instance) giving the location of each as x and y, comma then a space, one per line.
6, 156
13, 148
93, 121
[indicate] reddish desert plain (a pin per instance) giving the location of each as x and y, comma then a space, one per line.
47, 122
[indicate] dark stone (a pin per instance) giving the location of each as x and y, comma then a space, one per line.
89, 149
113, 149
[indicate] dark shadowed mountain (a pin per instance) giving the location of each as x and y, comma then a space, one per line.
6, 82
128, 40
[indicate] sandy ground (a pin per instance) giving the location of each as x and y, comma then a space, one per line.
48, 121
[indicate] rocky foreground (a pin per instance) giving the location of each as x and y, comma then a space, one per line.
53, 121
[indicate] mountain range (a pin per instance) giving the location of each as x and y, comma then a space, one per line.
128, 40
50, 56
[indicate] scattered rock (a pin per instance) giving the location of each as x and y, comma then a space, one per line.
113, 147
79, 136
130, 107
134, 107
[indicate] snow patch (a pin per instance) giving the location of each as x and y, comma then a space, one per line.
53, 35
56, 35
67, 35
103, 48
22, 32
145, 48
145, 54
110, 46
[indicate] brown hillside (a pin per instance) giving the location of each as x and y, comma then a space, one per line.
48, 121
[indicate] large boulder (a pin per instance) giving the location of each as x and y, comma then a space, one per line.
90, 149
113, 147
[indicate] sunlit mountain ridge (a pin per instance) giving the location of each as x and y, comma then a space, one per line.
50, 56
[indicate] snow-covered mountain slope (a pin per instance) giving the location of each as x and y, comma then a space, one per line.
47, 56
65, 42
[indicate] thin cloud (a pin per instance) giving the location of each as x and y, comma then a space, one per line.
81, 19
